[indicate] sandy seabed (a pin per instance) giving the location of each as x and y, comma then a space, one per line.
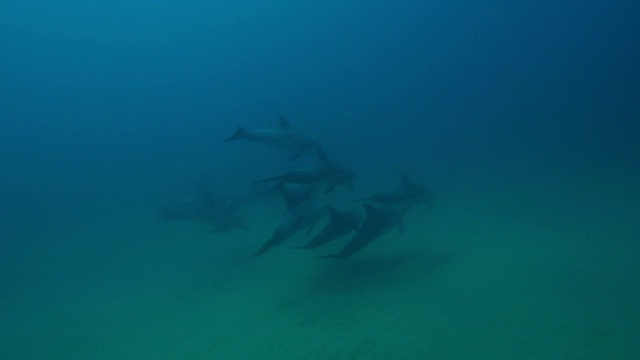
521, 272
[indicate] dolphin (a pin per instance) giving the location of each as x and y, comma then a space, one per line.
408, 192
325, 171
341, 223
303, 212
216, 211
378, 221
283, 137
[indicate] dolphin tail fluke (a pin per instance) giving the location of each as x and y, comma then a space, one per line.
276, 239
239, 134
263, 249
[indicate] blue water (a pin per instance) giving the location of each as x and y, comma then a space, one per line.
523, 120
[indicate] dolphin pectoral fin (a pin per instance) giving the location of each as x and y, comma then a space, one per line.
239, 134
284, 123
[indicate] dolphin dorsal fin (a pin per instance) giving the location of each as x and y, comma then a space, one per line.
284, 123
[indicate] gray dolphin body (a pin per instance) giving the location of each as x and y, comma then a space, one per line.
303, 212
328, 172
377, 222
283, 137
407, 193
218, 212
341, 224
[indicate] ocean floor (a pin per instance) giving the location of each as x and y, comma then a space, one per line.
533, 270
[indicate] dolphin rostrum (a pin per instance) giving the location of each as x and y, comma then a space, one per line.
378, 221
341, 223
283, 137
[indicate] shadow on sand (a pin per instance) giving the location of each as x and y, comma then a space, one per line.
375, 273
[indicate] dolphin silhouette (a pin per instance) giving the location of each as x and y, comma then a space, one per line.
303, 212
325, 171
341, 223
215, 210
408, 192
283, 137
378, 221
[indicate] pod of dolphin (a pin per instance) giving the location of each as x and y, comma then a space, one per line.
304, 209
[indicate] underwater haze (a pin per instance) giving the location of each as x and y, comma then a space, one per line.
130, 228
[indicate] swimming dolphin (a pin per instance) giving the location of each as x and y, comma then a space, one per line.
283, 137
408, 193
216, 211
341, 224
378, 221
325, 171
303, 212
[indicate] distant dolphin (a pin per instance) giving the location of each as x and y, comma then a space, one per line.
283, 137
326, 171
303, 212
408, 193
216, 211
341, 224
377, 222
